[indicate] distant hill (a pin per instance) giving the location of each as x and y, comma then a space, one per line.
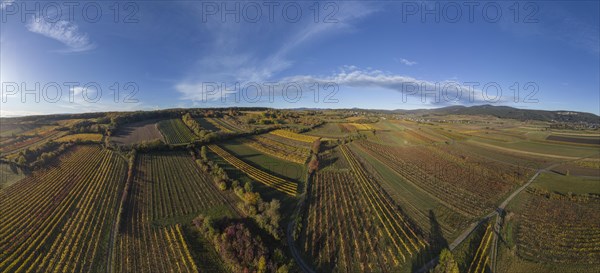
509, 112
478, 110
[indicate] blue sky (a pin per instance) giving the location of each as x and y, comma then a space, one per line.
385, 55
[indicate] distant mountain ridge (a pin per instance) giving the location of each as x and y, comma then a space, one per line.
477, 110
509, 112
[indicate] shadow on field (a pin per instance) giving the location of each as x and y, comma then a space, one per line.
437, 242
327, 161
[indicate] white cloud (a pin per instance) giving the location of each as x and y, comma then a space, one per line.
63, 31
205, 91
448, 91
18, 113
5, 3
349, 77
407, 62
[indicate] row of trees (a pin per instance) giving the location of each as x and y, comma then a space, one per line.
207, 136
313, 164
306, 118
266, 214
39, 156
313, 167
99, 126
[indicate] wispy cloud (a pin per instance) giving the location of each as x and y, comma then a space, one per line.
448, 92
65, 32
232, 59
406, 62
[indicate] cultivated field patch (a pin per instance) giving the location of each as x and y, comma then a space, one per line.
137, 132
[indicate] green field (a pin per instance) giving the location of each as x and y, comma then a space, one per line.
9, 175
282, 168
331, 130
568, 183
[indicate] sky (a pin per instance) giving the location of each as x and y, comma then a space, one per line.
72, 57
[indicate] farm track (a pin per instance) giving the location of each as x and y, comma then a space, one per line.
294, 251
496, 226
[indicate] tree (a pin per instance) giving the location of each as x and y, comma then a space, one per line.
262, 265
248, 186
447, 264
22, 160
272, 213
203, 153
283, 269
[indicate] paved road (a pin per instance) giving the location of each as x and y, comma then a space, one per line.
295, 254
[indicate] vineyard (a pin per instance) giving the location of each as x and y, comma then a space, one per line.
229, 190
194, 191
279, 148
207, 125
166, 187
59, 219
294, 136
175, 131
232, 123
277, 183
353, 226
148, 249
361, 126
481, 259
219, 125
13, 144
470, 187
420, 206
555, 229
